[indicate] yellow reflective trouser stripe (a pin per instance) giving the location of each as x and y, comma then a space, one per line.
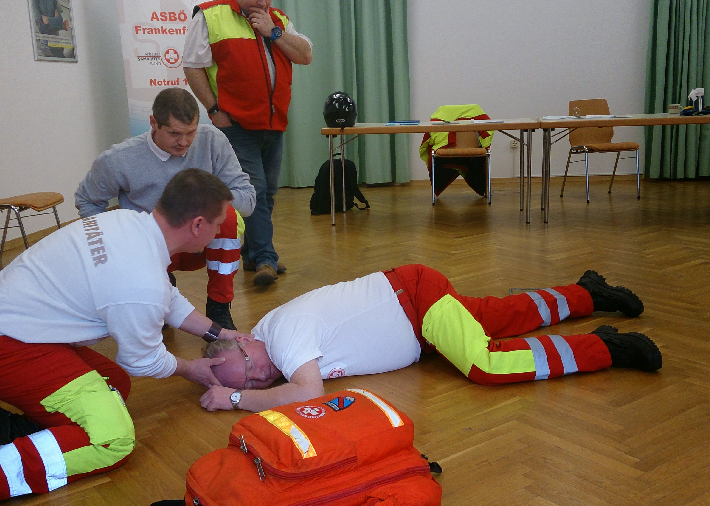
240, 224
285, 425
388, 410
461, 339
90, 403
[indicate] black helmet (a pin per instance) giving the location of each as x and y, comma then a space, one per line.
339, 110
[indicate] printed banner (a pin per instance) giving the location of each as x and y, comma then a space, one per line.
153, 37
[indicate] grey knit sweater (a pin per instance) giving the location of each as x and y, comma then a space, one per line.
133, 173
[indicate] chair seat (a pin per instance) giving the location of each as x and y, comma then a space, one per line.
609, 147
461, 152
38, 201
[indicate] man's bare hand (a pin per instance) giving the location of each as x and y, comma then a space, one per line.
199, 370
221, 119
216, 398
261, 22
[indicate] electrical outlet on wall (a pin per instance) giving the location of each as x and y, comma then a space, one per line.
514, 144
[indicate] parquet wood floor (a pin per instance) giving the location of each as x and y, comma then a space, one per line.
617, 437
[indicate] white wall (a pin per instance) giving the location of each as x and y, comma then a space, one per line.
515, 58
527, 59
55, 116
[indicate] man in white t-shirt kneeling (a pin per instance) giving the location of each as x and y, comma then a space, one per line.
383, 321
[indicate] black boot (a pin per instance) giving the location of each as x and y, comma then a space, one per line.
219, 313
630, 349
13, 426
610, 298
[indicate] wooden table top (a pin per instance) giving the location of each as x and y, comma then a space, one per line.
434, 126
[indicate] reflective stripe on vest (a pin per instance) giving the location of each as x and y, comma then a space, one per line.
388, 410
288, 427
51, 454
542, 367
544, 309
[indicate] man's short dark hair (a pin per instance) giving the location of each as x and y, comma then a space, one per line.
176, 102
192, 193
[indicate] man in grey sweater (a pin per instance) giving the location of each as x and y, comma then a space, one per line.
138, 169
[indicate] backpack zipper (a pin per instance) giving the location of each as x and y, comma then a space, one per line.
383, 480
263, 468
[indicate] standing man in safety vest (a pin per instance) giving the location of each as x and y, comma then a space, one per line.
383, 321
238, 62
99, 276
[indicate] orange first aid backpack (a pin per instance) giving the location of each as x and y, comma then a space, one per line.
347, 448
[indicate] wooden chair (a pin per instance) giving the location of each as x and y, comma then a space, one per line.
596, 140
38, 202
467, 146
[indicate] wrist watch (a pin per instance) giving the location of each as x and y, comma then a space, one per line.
235, 397
212, 110
276, 32
213, 333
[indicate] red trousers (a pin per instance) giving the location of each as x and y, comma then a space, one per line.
510, 316
29, 375
221, 256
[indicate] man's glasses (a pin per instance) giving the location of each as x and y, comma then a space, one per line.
246, 357
248, 366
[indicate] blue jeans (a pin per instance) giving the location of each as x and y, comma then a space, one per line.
259, 153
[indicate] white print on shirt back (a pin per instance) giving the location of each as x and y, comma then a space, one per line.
93, 237
334, 370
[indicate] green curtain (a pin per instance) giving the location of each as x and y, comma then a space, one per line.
359, 47
678, 62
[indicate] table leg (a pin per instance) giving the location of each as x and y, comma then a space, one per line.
547, 147
342, 166
529, 167
522, 173
332, 181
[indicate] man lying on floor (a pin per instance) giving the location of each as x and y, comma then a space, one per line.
383, 321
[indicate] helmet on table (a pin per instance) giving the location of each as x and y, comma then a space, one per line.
339, 110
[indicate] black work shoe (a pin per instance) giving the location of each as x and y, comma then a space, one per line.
610, 298
265, 275
630, 349
251, 266
219, 313
13, 426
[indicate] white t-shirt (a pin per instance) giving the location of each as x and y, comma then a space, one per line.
97, 277
351, 328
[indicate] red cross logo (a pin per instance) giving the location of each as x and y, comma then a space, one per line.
310, 411
171, 58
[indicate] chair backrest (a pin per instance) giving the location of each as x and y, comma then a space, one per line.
467, 140
592, 135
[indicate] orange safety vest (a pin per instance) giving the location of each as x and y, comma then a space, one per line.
239, 75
